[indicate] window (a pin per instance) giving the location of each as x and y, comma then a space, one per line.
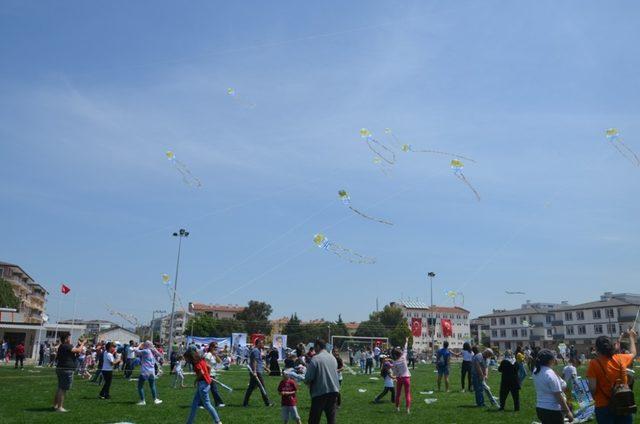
503, 333
580, 315
494, 333
597, 328
549, 318
502, 321
582, 329
523, 319
596, 313
524, 332
514, 333
608, 313
570, 330
493, 321
549, 332
568, 316
507, 345
611, 329
514, 320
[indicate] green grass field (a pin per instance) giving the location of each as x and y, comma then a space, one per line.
26, 397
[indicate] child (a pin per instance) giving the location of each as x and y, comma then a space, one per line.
387, 374
203, 381
569, 373
108, 364
178, 373
510, 383
287, 389
403, 376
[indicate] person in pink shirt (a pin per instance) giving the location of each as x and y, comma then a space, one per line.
403, 376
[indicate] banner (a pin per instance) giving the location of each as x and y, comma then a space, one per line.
238, 340
582, 396
280, 343
416, 327
447, 328
222, 341
255, 337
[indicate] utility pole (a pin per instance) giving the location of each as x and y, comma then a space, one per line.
180, 234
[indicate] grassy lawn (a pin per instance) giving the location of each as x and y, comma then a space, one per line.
26, 397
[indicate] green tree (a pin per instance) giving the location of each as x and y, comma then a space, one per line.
399, 334
256, 317
339, 328
389, 316
7, 298
293, 331
207, 326
371, 328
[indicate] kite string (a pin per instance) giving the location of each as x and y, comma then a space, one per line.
380, 155
382, 221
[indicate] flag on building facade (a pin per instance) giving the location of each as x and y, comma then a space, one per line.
416, 327
447, 328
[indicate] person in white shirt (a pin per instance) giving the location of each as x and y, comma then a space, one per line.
551, 405
178, 372
107, 369
467, 356
213, 359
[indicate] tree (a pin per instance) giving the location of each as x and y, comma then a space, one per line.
256, 317
8, 299
389, 316
207, 326
399, 334
339, 328
293, 331
371, 328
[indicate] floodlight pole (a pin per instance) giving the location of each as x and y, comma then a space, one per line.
432, 329
180, 234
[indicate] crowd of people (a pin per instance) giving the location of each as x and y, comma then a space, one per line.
609, 374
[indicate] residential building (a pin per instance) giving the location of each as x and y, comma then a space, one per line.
531, 324
31, 294
215, 311
480, 330
93, 326
431, 318
117, 334
160, 327
352, 327
580, 325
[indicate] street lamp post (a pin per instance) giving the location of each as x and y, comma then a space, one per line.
180, 234
432, 329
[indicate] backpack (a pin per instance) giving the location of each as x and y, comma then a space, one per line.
621, 400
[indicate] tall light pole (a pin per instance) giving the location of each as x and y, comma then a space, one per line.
432, 328
153, 318
180, 234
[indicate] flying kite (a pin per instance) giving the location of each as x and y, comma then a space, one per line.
346, 199
613, 135
381, 151
187, 176
457, 167
514, 292
240, 100
342, 252
166, 279
456, 297
408, 148
131, 319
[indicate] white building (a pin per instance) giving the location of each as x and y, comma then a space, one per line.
580, 325
94, 326
117, 334
431, 324
34, 334
530, 325
160, 327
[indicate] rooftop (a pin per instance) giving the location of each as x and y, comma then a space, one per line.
202, 307
416, 304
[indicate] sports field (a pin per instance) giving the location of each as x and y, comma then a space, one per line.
26, 397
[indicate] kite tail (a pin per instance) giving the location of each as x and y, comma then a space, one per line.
635, 159
380, 155
438, 152
382, 221
349, 255
464, 180
187, 176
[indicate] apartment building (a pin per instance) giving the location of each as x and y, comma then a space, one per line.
215, 311
160, 327
580, 325
94, 326
431, 324
33, 296
531, 324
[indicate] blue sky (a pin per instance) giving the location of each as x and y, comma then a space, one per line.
93, 94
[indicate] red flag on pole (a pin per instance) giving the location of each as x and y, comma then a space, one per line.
64, 288
447, 328
416, 327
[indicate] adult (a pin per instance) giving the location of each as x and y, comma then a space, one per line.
551, 405
274, 367
376, 355
256, 368
203, 382
323, 382
64, 370
147, 354
128, 357
213, 359
411, 358
19, 355
400, 369
108, 363
443, 362
509, 383
41, 350
350, 351
479, 373
368, 361
607, 369
467, 356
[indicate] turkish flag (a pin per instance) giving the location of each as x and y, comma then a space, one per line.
255, 337
416, 327
64, 289
447, 328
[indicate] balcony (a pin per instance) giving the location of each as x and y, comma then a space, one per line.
558, 337
557, 322
626, 318
535, 338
